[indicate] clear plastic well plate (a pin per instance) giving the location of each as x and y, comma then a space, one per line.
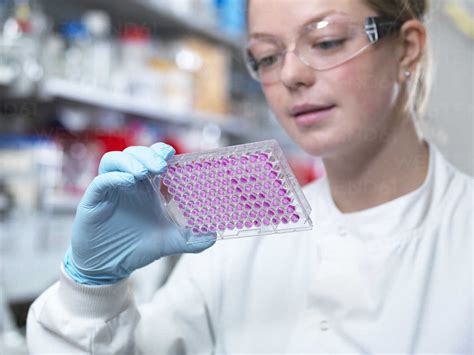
238, 191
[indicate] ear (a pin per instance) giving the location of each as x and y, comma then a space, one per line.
413, 45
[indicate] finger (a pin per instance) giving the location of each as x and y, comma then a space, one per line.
164, 150
149, 158
205, 241
122, 162
103, 184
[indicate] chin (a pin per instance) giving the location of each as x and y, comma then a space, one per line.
315, 148
316, 142
311, 143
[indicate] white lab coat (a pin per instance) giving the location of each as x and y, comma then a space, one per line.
396, 278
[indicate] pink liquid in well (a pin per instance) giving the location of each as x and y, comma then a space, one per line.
231, 193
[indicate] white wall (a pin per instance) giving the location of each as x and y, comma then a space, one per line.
451, 108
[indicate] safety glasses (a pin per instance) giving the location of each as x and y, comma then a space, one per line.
321, 45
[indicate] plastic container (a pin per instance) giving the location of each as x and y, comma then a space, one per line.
77, 42
238, 191
100, 54
231, 16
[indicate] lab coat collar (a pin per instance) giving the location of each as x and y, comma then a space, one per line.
399, 217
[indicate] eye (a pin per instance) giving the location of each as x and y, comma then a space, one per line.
327, 45
267, 61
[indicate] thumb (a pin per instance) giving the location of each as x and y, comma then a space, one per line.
202, 243
103, 184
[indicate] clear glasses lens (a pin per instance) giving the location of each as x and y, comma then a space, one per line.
324, 45
264, 58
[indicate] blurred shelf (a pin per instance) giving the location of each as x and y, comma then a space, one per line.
33, 244
61, 203
92, 96
192, 24
146, 12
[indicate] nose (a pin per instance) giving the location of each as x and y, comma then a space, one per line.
295, 73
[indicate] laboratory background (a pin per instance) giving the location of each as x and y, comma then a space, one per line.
79, 78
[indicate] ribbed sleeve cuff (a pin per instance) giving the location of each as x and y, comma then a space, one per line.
104, 301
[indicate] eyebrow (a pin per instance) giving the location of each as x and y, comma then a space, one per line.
314, 19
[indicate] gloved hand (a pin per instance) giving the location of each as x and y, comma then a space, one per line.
119, 225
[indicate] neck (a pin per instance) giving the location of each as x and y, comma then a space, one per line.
380, 171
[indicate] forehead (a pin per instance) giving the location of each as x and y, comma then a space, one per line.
282, 18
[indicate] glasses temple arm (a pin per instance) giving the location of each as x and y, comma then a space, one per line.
379, 27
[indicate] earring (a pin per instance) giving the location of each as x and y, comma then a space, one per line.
407, 74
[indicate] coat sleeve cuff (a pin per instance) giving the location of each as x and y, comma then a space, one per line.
104, 301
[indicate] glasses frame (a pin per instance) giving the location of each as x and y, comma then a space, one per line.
375, 27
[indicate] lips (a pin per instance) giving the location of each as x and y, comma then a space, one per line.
303, 109
307, 115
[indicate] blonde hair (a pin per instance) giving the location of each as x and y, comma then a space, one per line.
405, 10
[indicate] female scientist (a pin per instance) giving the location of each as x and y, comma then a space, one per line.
388, 266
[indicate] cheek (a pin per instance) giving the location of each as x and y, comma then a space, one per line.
274, 95
366, 92
277, 99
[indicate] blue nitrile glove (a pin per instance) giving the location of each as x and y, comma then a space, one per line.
119, 225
